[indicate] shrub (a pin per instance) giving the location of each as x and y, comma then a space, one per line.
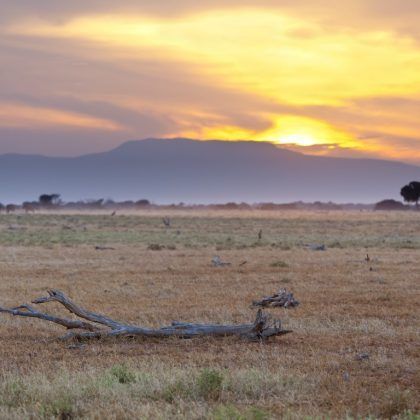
279, 264
176, 390
122, 374
209, 384
61, 408
155, 247
395, 404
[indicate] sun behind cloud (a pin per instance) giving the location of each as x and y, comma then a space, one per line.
300, 139
284, 130
262, 73
302, 131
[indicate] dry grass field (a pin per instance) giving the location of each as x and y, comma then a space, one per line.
354, 351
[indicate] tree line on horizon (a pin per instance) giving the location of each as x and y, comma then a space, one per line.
409, 192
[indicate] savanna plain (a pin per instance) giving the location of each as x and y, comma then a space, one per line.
353, 353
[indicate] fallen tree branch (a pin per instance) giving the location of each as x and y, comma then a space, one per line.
29, 311
217, 262
262, 328
104, 248
60, 297
283, 299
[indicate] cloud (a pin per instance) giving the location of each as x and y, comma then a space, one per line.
23, 116
227, 69
384, 126
392, 14
145, 97
255, 52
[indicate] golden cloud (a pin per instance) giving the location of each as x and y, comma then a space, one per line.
272, 54
22, 116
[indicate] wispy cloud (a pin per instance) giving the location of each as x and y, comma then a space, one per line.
23, 116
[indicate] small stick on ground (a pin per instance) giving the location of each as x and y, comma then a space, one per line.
282, 299
217, 262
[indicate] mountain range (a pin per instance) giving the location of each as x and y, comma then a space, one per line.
191, 171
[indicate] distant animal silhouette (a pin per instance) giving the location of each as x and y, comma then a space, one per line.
167, 222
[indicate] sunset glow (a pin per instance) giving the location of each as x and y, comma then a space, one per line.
300, 139
302, 76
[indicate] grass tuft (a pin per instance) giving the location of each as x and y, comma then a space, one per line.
61, 408
396, 404
210, 384
122, 374
279, 264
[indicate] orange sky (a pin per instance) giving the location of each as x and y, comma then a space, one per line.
338, 80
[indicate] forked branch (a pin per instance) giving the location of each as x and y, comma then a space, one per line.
262, 328
282, 299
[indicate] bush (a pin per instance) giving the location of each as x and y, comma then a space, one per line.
176, 390
122, 374
390, 205
61, 408
396, 403
209, 384
155, 247
279, 264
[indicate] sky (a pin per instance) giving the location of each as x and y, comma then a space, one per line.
338, 79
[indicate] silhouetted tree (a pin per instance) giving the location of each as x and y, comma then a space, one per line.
10, 208
2, 207
143, 203
127, 203
411, 192
29, 206
96, 204
48, 200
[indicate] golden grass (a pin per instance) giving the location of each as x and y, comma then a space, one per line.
346, 310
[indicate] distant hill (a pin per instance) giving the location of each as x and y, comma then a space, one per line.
174, 170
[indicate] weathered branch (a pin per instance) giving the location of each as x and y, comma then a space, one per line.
60, 297
283, 299
29, 311
217, 262
262, 328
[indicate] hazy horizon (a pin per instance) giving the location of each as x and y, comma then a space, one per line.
191, 171
276, 145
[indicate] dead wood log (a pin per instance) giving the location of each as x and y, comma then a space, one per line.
104, 248
283, 299
262, 328
317, 247
216, 261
